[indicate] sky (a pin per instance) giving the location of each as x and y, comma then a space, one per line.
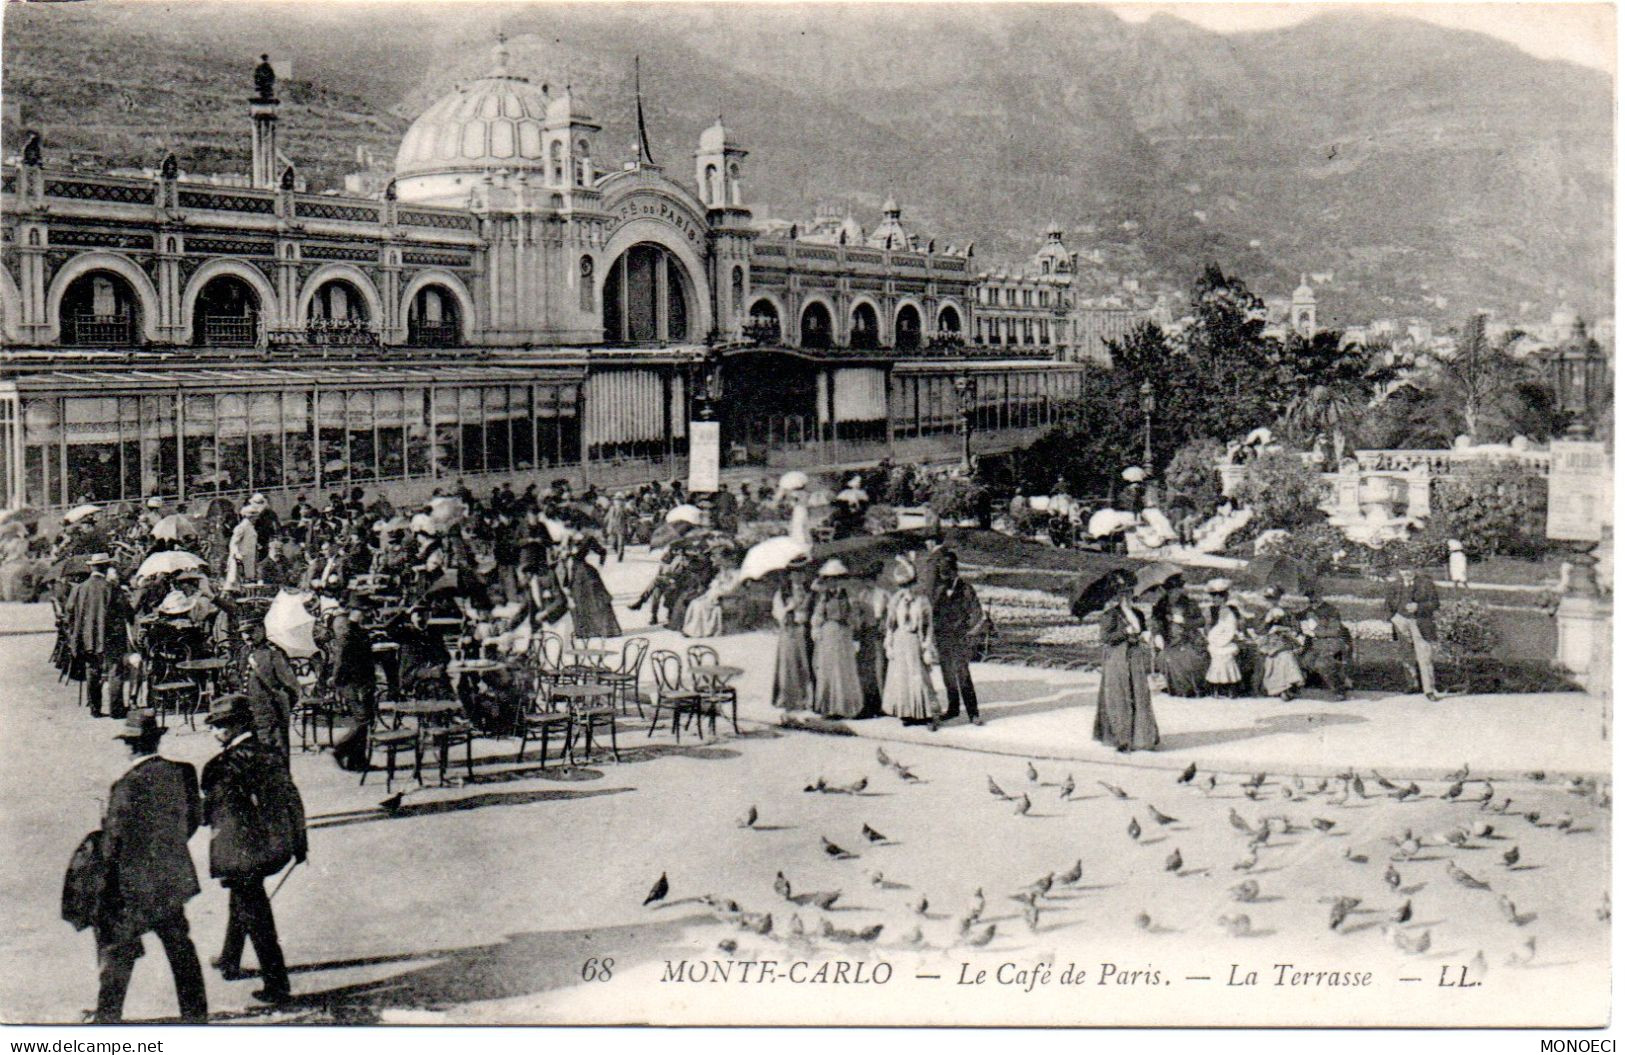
1582, 33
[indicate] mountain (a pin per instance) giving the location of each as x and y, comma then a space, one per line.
1412, 161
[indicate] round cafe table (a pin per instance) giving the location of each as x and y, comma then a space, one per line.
206, 672
587, 709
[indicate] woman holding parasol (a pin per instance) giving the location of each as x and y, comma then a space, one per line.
1123, 716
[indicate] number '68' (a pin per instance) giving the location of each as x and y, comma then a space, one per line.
596, 970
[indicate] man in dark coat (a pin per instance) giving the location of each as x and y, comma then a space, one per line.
1326, 645
99, 621
272, 690
354, 678
1412, 602
258, 819
152, 810
957, 619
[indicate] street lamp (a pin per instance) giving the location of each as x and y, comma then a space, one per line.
966, 389
1148, 404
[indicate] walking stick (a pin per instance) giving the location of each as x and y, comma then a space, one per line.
284, 879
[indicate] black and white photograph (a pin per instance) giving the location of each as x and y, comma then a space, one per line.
805, 514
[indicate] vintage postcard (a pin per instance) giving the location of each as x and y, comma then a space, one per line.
806, 514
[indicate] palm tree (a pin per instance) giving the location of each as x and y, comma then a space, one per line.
1327, 410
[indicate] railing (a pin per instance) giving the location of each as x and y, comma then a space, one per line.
423, 335
231, 330
762, 333
99, 331
327, 333
1445, 462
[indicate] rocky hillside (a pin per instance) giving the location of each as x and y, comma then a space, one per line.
1411, 161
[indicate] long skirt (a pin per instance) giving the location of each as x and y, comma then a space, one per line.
703, 617
1186, 666
591, 606
837, 691
1222, 668
1123, 718
792, 671
1281, 672
909, 693
871, 668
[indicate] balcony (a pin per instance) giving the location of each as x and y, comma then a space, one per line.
762, 334
231, 331
85, 330
421, 335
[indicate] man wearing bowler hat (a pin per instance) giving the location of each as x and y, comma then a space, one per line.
152, 810
258, 819
99, 620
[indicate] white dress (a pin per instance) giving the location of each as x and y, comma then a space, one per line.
909, 651
1222, 648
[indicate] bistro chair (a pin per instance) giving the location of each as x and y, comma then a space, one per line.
392, 742
716, 692
444, 738
586, 719
671, 695
625, 678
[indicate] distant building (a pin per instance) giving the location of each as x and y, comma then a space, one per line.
1029, 308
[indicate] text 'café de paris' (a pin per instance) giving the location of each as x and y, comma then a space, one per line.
508, 307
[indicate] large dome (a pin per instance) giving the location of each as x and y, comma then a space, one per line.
492, 123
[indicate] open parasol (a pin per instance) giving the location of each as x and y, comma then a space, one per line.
78, 513
794, 480
771, 555
1151, 576
1094, 594
666, 534
168, 562
1291, 575
176, 526
289, 626
1110, 522
684, 514
446, 509
20, 515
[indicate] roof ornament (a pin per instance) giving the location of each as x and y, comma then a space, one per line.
644, 155
287, 181
265, 80
499, 55
34, 150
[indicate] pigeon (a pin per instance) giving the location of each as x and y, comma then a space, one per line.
393, 803
817, 785
1564, 823
1488, 796
1133, 827
1358, 785
914, 937
872, 835
749, 819
921, 905
1143, 921
994, 788
983, 936
797, 928
1040, 887
1286, 792
846, 789
1411, 791
1416, 944
835, 851
1068, 787
1175, 861
728, 946
1260, 837
756, 922
1537, 776
979, 904
1519, 959
877, 877
1533, 817
659, 891
781, 886
1116, 792
1159, 816
1463, 878
1188, 775
1239, 925
1250, 791
1383, 782
1248, 863
1358, 859
824, 899
1245, 891
1511, 857
1258, 780
1073, 874
882, 757
1483, 830
1032, 773
1409, 848
1238, 822
1341, 907
1457, 837
1460, 774
1391, 877
1024, 805
1403, 913
1509, 911
1030, 914
1212, 782
906, 774
1322, 824
1605, 911
1453, 792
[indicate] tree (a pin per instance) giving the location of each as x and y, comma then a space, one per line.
1281, 491
1494, 508
1333, 386
1238, 367
1192, 475
1481, 381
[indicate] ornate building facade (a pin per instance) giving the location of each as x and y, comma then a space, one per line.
507, 308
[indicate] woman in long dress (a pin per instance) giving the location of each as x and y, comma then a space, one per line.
591, 609
1283, 676
1184, 655
910, 652
837, 689
869, 606
1223, 642
1123, 717
792, 671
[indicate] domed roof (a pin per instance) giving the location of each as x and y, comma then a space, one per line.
494, 122
1304, 291
716, 138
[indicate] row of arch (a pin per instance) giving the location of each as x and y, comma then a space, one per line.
816, 324
106, 299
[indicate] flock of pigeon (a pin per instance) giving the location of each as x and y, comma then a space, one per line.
1268, 816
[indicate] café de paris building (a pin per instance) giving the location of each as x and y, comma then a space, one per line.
509, 309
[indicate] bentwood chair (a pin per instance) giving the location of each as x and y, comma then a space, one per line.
625, 677
671, 694
715, 691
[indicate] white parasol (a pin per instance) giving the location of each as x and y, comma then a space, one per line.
289, 626
771, 555
78, 513
175, 526
1134, 474
684, 514
1109, 522
447, 509
168, 562
794, 480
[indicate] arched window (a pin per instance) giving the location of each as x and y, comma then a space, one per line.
338, 301
711, 189
432, 320
948, 319
226, 314
908, 327
738, 289
556, 154
100, 310
733, 183
865, 327
587, 293
583, 164
646, 297
816, 330
764, 325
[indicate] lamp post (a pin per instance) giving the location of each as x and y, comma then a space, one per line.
965, 387
1148, 405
